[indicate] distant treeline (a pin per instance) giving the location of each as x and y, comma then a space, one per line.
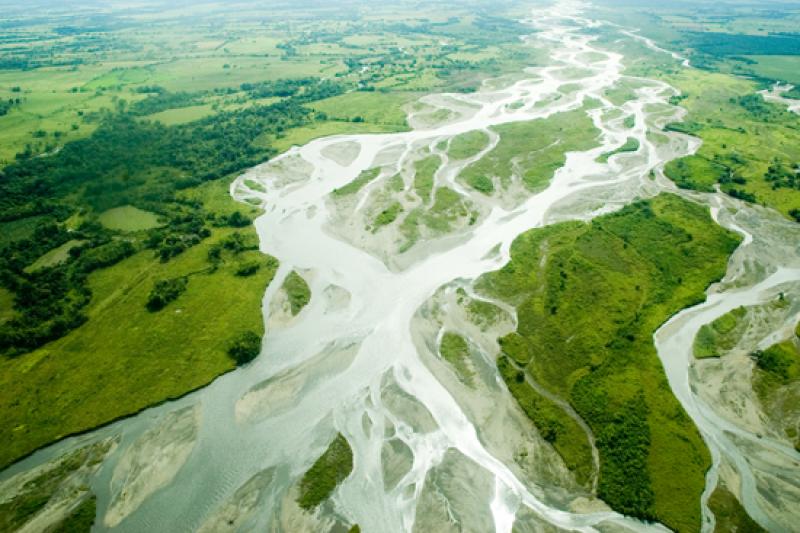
728, 44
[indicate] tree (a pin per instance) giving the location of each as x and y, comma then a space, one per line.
164, 292
245, 347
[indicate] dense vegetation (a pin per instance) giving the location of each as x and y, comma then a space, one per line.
124, 162
729, 513
643, 263
781, 361
165, 291
297, 291
245, 347
326, 473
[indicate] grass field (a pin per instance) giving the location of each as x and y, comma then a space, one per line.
372, 107
534, 150
182, 115
54, 256
631, 145
466, 145
424, 171
784, 68
302, 135
298, 292
447, 209
644, 264
129, 219
555, 427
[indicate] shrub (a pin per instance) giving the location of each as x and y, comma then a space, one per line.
482, 184
164, 292
248, 268
245, 347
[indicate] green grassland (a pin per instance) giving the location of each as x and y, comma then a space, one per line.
631, 145
361, 181
533, 149
327, 472
560, 430
125, 358
781, 68
447, 210
469, 144
424, 171
128, 218
371, 107
589, 298
63, 81
781, 361
304, 134
182, 115
54, 256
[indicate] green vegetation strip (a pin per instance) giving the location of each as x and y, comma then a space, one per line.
554, 425
454, 350
448, 208
775, 382
297, 291
357, 184
631, 145
387, 216
589, 298
781, 361
324, 476
423, 177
